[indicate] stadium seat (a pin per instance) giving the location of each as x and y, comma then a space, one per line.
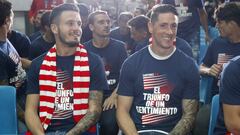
214, 114
205, 89
8, 113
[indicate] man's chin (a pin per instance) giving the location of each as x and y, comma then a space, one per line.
72, 44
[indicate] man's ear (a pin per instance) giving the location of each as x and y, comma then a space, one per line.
7, 21
150, 27
91, 27
54, 28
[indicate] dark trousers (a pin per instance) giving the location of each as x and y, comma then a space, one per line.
108, 123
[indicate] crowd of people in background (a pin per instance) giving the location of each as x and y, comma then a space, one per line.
135, 70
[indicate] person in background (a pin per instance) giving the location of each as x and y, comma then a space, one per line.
139, 11
84, 12
113, 54
191, 14
139, 31
18, 79
37, 26
224, 49
122, 32
64, 93
41, 5
154, 95
44, 42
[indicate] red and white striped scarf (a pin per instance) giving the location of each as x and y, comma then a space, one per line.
47, 85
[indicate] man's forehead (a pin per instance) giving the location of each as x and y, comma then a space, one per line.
70, 15
101, 17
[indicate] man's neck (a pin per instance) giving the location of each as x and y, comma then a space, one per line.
162, 51
3, 35
64, 50
100, 42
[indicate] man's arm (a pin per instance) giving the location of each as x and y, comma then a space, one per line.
185, 125
31, 115
232, 118
125, 122
93, 114
204, 21
26, 63
214, 70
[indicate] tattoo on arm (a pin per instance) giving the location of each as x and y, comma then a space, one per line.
93, 114
185, 125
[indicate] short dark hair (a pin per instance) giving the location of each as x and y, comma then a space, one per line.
84, 9
162, 8
139, 23
5, 8
128, 15
93, 14
45, 19
57, 11
229, 11
141, 10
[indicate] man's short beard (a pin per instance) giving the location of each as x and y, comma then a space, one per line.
70, 44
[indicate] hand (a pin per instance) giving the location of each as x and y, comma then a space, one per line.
18, 84
110, 102
215, 70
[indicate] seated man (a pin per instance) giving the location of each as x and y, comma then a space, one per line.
154, 94
64, 93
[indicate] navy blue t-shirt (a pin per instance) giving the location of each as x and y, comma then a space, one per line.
63, 115
20, 42
189, 21
113, 55
158, 88
38, 47
220, 52
229, 91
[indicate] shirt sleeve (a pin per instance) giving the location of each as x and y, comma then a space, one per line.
126, 81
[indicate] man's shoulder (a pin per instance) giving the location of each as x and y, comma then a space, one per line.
39, 59
92, 57
38, 41
116, 42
